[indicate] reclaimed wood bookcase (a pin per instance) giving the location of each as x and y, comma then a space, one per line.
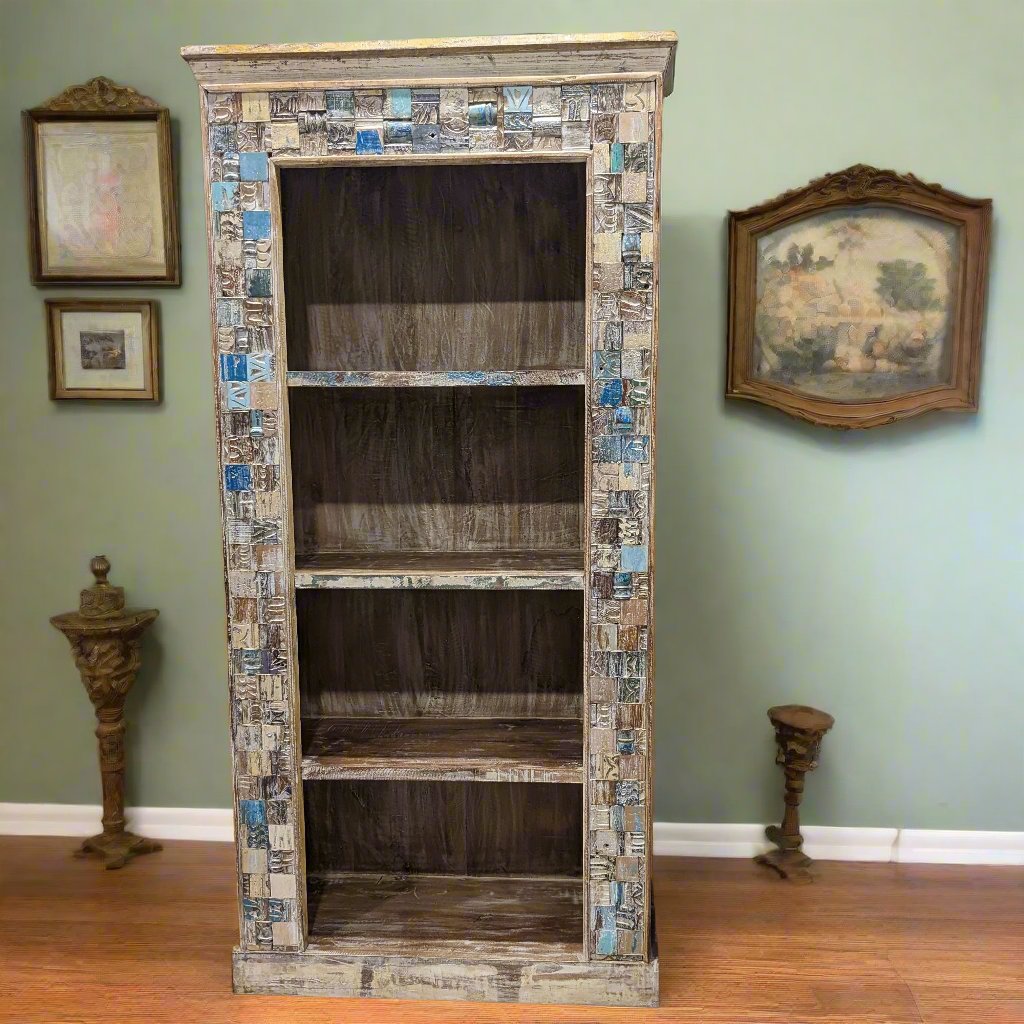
434, 271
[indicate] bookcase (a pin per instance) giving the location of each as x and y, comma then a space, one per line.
433, 272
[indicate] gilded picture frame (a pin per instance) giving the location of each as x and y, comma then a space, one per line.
101, 189
103, 349
858, 300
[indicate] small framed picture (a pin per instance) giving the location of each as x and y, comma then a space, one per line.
102, 348
101, 188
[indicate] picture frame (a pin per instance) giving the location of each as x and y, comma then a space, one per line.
858, 299
103, 349
101, 190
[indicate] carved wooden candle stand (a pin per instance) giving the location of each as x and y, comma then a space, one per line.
105, 639
798, 734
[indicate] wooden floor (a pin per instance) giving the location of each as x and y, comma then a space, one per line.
868, 944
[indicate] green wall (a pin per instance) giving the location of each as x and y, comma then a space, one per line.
878, 576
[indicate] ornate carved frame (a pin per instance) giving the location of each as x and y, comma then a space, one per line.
861, 185
100, 99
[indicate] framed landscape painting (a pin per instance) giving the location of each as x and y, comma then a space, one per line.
858, 299
101, 188
100, 348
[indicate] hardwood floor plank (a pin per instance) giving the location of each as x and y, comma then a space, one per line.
151, 944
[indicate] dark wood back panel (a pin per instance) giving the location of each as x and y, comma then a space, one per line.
473, 267
437, 469
461, 828
449, 653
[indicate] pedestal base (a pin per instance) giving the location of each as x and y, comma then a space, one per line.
117, 848
789, 861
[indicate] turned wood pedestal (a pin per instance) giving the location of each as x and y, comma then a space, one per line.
105, 640
798, 734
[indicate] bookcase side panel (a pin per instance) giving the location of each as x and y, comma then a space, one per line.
624, 189
257, 532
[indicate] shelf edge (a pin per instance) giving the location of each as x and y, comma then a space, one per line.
435, 378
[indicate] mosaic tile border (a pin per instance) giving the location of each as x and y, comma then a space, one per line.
617, 122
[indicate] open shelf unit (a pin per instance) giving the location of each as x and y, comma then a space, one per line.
438, 444
434, 305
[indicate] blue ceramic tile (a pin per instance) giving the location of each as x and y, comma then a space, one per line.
340, 103
255, 223
398, 133
622, 420
237, 478
252, 812
368, 141
250, 908
611, 392
483, 115
223, 195
257, 284
258, 838
223, 138
426, 138
633, 558
398, 104
607, 448
279, 910
239, 394
233, 367
607, 364
229, 313
636, 449
253, 167
518, 98
617, 158
631, 246
607, 942
516, 121
260, 367
622, 586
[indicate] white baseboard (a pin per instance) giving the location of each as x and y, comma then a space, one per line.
671, 838
210, 824
832, 842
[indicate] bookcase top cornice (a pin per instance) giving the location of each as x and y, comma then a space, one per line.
410, 61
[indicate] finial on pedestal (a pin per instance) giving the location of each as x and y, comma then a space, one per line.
101, 600
100, 566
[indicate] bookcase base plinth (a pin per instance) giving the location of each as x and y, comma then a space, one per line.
322, 972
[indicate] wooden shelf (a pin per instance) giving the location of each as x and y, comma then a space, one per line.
452, 570
517, 918
435, 378
444, 749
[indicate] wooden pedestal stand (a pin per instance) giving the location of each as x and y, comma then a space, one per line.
798, 734
105, 639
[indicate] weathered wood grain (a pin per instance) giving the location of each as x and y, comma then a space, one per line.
437, 469
446, 570
457, 828
411, 276
476, 916
434, 378
471, 749
499, 58
442, 653
321, 973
